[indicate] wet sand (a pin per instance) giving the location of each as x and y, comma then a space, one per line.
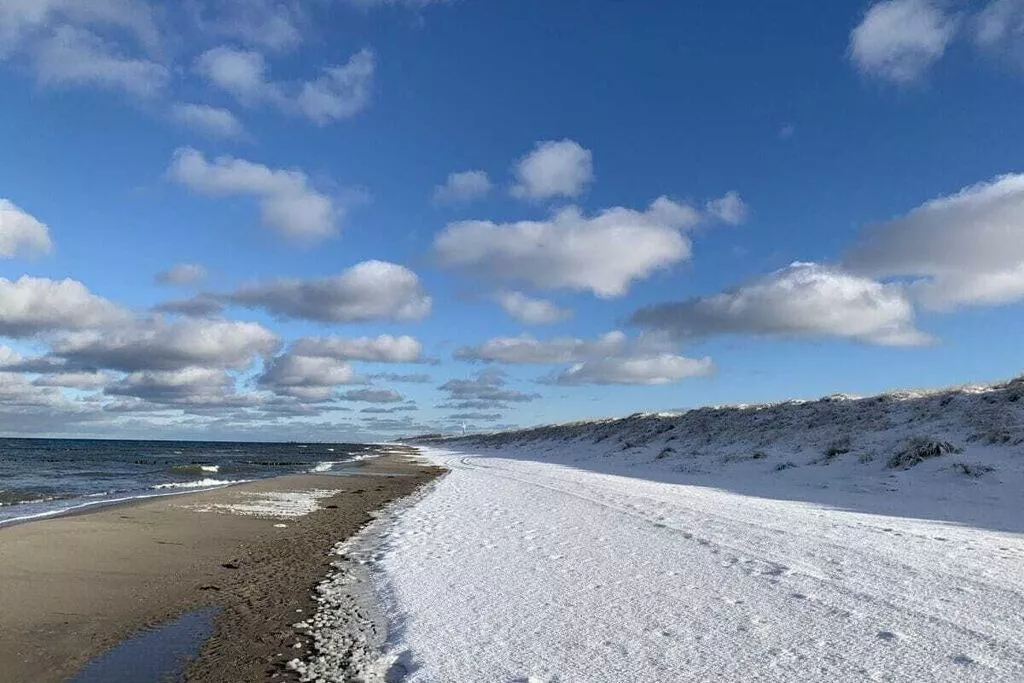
73, 586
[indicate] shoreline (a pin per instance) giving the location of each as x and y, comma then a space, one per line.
79, 583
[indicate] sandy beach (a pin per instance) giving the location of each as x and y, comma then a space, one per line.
76, 585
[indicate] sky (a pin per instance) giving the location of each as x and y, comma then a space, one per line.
365, 219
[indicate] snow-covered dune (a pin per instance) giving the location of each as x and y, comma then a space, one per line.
846, 539
955, 454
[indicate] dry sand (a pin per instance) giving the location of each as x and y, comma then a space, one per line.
73, 586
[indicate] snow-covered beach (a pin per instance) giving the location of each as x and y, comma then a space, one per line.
842, 539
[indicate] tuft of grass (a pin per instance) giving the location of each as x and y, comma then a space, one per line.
972, 469
788, 465
837, 448
918, 450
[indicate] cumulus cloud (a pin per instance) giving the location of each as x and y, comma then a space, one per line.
463, 187
645, 370
307, 378
241, 73
188, 386
198, 307
473, 404
531, 311
603, 254
74, 380
485, 389
268, 24
372, 396
729, 208
21, 234
483, 417
368, 291
963, 249
74, 56
804, 299
182, 274
156, 344
288, 201
560, 168
31, 306
526, 350
21, 20
999, 28
340, 92
415, 378
213, 121
382, 349
898, 40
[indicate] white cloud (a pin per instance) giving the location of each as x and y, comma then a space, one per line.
372, 396
805, 299
269, 24
340, 92
382, 349
21, 21
241, 73
603, 254
526, 350
184, 386
21, 234
288, 201
486, 389
371, 290
966, 248
31, 306
307, 378
554, 169
898, 40
1000, 27
729, 208
531, 311
74, 380
156, 344
463, 187
645, 370
182, 274
74, 56
210, 120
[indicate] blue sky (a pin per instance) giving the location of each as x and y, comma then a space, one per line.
537, 211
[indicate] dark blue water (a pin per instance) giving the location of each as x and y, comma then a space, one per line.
44, 476
156, 655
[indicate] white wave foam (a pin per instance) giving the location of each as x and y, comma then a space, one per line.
210, 468
324, 466
202, 483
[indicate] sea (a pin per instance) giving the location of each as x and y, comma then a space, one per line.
45, 477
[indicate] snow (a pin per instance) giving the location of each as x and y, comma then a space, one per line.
844, 539
270, 504
512, 570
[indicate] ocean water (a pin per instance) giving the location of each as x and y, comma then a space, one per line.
40, 477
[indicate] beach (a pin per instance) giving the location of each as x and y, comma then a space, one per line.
76, 585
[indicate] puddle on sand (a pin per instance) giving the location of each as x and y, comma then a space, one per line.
155, 655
